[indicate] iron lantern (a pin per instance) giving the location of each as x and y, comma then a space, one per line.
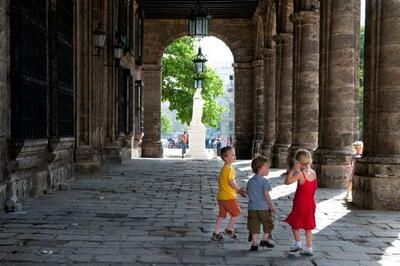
198, 21
99, 37
198, 82
200, 63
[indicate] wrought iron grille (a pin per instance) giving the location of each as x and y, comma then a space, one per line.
122, 100
65, 86
131, 106
139, 37
139, 111
29, 81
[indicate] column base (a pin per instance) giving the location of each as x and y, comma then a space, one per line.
197, 148
243, 149
87, 161
378, 193
376, 183
332, 167
256, 148
280, 155
152, 149
111, 154
266, 150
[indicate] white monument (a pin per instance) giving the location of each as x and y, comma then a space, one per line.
197, 130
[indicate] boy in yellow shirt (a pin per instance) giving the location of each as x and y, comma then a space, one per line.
227, 195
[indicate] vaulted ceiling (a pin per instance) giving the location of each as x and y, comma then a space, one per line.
175, 9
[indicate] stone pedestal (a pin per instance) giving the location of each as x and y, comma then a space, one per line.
281, 153
87, 160
197, 136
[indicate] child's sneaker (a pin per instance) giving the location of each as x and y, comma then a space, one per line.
295, 247
231, 233
266, 243
307, 251
217, 237
254, 248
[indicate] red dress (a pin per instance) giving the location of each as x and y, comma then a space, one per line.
303, 211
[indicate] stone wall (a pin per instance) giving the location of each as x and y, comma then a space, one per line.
4, 96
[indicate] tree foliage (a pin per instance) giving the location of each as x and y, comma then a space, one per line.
178, 84
166, 125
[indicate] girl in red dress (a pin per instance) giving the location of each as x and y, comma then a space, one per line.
303, 211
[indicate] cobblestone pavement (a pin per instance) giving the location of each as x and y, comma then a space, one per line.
162, 212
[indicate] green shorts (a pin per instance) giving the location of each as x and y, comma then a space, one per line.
258, 217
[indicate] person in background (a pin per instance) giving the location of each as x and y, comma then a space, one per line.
185, 139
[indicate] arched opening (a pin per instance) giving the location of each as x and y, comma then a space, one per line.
178, 89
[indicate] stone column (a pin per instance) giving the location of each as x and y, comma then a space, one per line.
269, 101
284, 90
376, 184
87, 158
259, 105
339, 84
244, 90
305, 81
4, 98
151, 146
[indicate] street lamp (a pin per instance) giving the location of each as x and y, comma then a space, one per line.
118, 49
198, 82
200, 63
198, 21
99, 37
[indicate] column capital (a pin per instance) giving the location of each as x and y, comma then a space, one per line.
305, 17
151, 67
242, 65
258, 62
283, 38
269, 52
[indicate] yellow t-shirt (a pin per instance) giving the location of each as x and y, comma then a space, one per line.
225, 191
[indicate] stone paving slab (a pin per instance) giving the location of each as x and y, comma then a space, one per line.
162, 212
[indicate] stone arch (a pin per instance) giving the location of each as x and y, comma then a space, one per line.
239, 36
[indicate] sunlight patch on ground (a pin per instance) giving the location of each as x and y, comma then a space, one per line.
324, 209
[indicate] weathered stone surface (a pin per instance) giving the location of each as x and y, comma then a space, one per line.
377, 177
339, 84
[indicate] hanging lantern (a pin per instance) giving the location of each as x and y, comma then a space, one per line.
99, 37
198, 82
200, 63
118, 49
198, 21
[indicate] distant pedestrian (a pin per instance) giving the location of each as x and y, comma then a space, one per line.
218, 140
227, 196
185, 139
260, 206
358, 149
303, 210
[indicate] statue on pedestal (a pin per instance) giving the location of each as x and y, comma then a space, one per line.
198, 104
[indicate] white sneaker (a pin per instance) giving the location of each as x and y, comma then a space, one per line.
307, 251
295, 247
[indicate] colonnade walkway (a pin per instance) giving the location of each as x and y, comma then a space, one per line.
162, 212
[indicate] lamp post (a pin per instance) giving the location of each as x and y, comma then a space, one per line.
200, 63
198, 82
118, 49
198, 21
99, 37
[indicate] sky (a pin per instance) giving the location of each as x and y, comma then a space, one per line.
216, 50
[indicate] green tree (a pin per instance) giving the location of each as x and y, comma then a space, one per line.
166, 125
178, 84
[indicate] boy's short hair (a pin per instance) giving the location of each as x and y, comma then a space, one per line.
224, 151
258, 162
303, 156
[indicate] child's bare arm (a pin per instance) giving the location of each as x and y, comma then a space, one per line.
234, 185
293, 175
269, 200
